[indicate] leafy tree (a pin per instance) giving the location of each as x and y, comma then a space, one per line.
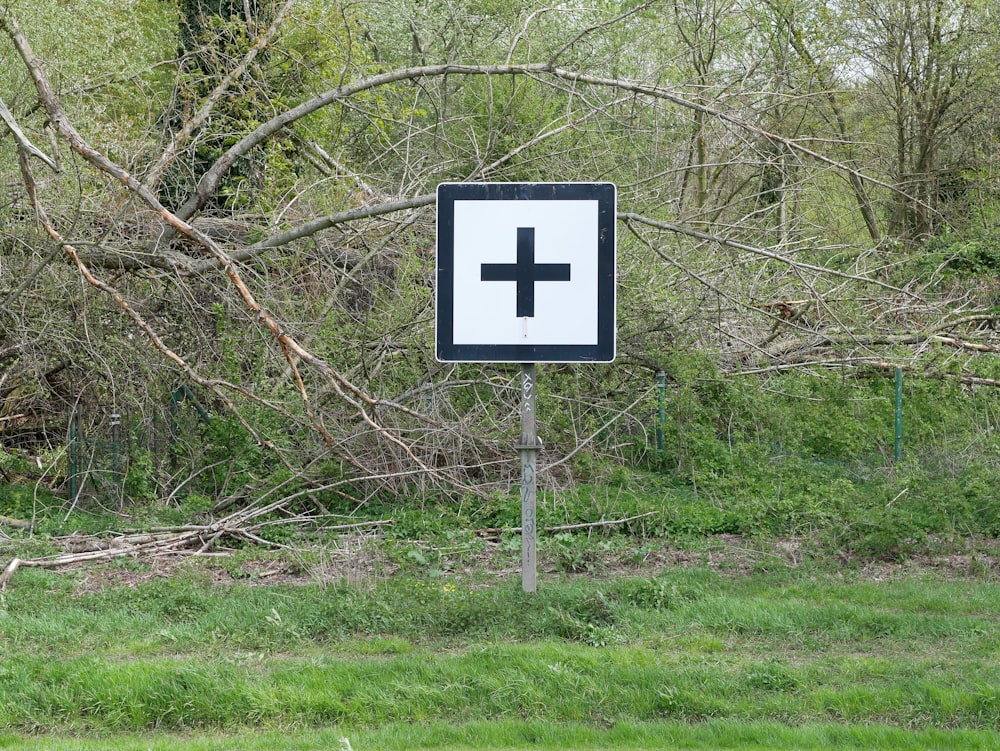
926, 69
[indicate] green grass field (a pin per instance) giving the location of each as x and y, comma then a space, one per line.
796, 657
515, 736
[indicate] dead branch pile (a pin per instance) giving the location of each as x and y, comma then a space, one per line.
188, 540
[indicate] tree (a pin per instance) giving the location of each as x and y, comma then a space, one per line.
271, 241
926, 64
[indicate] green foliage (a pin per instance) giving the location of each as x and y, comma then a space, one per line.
802, 454
139, 485
968, 260
572, 554
17, 501
975, 258
214, 36
656, 593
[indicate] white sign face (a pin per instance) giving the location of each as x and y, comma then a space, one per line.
526, 272
562, 307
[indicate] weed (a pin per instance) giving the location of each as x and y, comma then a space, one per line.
653, 593
571, 554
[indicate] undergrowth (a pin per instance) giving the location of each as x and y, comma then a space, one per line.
808, 457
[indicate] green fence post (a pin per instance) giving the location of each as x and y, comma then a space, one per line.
898, 450
661, 387
73, 459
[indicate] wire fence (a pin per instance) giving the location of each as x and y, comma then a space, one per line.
114, 457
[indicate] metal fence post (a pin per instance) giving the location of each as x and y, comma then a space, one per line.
898, 447
74, 458
661, 441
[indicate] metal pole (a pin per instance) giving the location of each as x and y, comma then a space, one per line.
74, 449
527, 450
117, 473
898, 451
661, 442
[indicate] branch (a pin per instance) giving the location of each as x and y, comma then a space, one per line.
117, 547
291, 349
596, 27
888, 368
29, 279
760, 252
211, 179
182, 136
22, 140
307, 229
8, 572
605, 426
829, 340
123, 304
568, 527
10, 521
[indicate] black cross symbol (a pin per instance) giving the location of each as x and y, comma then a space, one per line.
525, 272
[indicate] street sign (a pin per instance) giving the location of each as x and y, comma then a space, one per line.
526, 272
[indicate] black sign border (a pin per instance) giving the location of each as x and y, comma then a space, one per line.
606, 196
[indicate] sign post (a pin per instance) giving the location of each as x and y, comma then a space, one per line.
526, 273
527, 450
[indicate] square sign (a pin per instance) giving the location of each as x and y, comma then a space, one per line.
526, 272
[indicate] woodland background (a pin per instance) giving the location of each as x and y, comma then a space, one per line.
217, 257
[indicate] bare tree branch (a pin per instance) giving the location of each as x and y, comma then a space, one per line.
364, 404
597, 27
22, 140
307, 229
760, 252
211, 179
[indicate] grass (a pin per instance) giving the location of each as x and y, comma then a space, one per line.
811, 657
539, 736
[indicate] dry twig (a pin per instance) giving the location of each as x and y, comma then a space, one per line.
569, 527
